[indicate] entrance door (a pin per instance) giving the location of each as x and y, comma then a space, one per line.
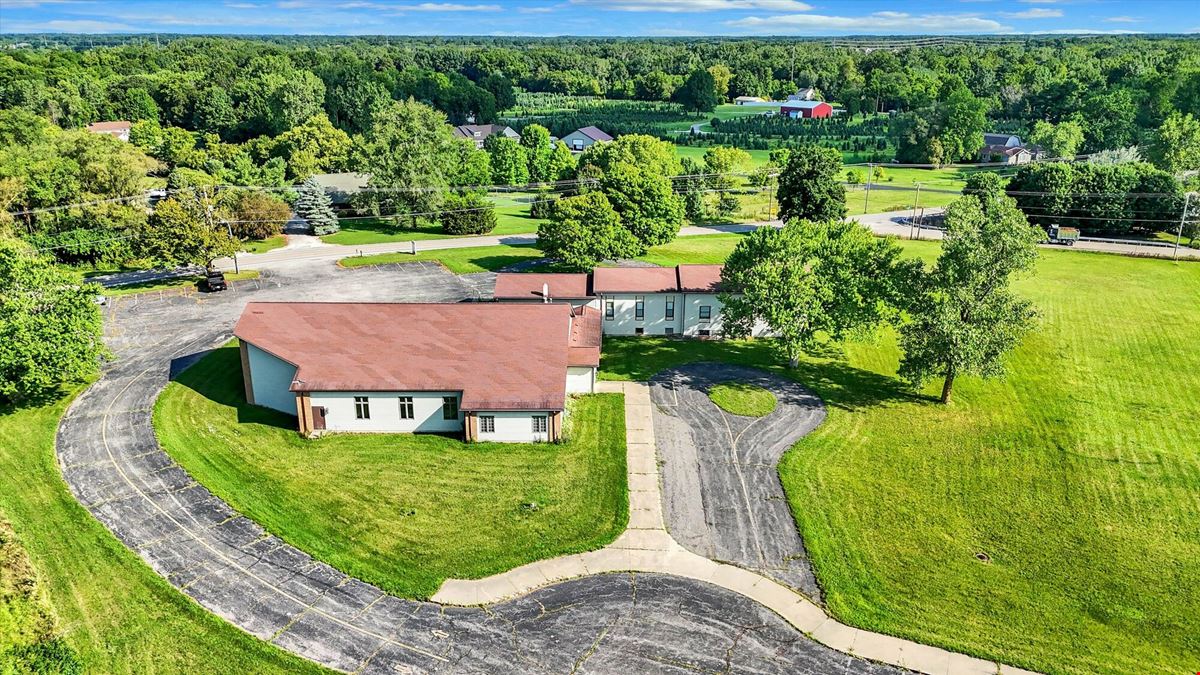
318, 417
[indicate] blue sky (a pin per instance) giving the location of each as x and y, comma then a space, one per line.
602, 17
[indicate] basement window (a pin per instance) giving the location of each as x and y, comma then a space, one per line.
539, 424
362, 408
487, 424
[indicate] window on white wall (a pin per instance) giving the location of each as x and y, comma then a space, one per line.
487, 424
362, 408
705, 312
539, 424
406, 408
449, 407
639, 308
670, 308
609, 310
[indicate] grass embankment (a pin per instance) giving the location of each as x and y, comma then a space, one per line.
458, 260
264, 245
174, 283
1075, 477
400, 511
115, 612
747, 400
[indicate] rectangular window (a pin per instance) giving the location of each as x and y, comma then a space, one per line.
609, 311
449, 407
670, 308
406, 407
539, 424
639, 331
639, 308
669, 331
705, 332
705, 312
487, 424
362, 408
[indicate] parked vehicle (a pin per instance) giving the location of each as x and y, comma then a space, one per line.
1067, 236
214, 281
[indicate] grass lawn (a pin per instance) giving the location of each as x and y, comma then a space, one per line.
511, 218
264, 245
747, 400
696, 153
401, 511
458, 260
177, 282
1076, 476
116, 612
702, 249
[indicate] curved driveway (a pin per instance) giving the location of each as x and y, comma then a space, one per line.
629, 623
723, 499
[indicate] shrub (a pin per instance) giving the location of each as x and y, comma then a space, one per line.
467, 214
542, 205
258, 215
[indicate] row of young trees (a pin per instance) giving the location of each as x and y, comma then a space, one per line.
821, 277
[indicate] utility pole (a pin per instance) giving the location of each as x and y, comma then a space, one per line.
229, 229
770, 198
870, 175
912, 221
1187, 201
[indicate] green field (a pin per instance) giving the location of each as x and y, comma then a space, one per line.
1048, 520
117, 613
264, 245
401, 511
458, 260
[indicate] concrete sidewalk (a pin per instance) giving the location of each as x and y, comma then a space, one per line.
647, 547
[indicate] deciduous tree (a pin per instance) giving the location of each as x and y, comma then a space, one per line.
809, 187
585, 230
967, 316
1175, 147
510, 164
809, 278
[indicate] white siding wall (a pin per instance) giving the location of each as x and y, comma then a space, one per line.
385, 412
513, 427
581, 380
624, 321
271, 378
692, 323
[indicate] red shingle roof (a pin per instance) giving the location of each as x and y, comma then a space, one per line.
500, 356
634, 280
699, 278
584, 349
516, 286
98, 127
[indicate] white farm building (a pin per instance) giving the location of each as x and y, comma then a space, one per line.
492, 372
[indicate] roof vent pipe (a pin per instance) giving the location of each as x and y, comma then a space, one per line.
545, 292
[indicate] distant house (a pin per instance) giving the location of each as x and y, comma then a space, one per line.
743, 100
341, 186
118, 130
806, 109
1007, 148
581, 139
805, 94
480, 132
488, 371
1006, 140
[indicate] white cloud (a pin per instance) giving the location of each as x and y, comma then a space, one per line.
242, 5
420, 7
1123, 19
696, 5
1034, 13
899, 22
67, 26
536, 10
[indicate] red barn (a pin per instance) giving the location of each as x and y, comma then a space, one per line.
806, 109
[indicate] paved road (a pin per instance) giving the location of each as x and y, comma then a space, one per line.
614, 623
721, 489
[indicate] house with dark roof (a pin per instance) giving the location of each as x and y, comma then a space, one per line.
488, 371
681, 300
1007, 148
480, 132
581, 139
